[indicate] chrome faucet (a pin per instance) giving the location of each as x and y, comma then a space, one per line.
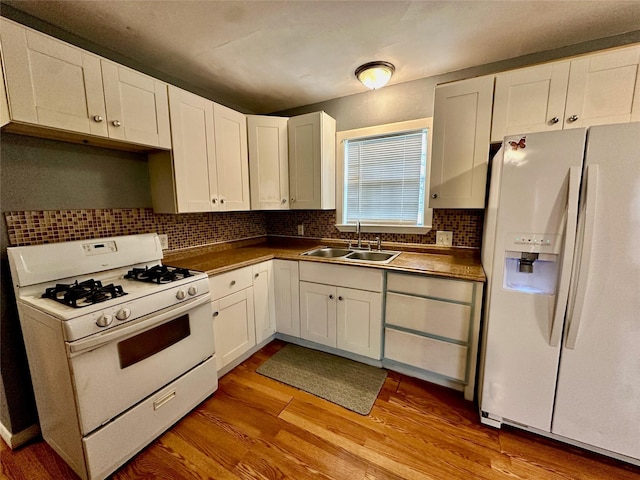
358, 233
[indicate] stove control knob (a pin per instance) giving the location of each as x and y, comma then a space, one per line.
123, 314
104, 320
193, 290
180, 294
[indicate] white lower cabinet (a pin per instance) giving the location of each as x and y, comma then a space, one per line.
431, 329
233, 315
286, 281
341, 307
264, 300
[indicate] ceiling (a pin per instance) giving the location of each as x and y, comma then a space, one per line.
267, 56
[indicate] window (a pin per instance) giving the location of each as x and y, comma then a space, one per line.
382, 178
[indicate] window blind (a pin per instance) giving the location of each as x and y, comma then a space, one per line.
386, 178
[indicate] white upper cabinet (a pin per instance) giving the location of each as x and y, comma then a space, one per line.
232, 158
51, 83
530, 100
461, 127
312, 159
56, 85
604, 88
268, 162
180, 181
590, 90
137, 109
208, 170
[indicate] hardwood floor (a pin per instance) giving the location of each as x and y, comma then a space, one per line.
256, 428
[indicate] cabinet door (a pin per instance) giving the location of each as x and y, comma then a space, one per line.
232, 158
603, 89
193, 150
529, 100
312, 161
287, 297
137, 106
318, 313
51, 83
359, 322
268, 162
233, 326
461, 126
264, 300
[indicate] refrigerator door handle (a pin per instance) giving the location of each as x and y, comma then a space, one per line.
567, 254
581, 277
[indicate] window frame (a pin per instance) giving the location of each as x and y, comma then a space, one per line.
377, 130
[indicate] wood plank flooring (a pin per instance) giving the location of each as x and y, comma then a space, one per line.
256, 428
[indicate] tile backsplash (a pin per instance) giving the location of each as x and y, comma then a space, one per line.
185, 230
194, 229
466, 226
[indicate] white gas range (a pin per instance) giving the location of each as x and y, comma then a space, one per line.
119, 346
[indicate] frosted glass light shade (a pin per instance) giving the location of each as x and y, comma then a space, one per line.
375, 74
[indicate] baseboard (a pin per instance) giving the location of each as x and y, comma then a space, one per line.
15, 440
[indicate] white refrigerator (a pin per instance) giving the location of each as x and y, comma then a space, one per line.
561, 250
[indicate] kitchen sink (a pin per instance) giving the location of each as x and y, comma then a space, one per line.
374, 256
328, 252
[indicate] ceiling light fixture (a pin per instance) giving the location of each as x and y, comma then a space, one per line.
375, 75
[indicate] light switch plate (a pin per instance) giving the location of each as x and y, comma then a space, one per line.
301, 229
164, 241
444, 239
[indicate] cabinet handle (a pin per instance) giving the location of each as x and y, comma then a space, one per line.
97, 118
257, 275
215, 314
222, 200
554, 120
233, 282
116, 123
331, 297
293, 200
434, 195
572, 118
214, 200
340, 298
284, 200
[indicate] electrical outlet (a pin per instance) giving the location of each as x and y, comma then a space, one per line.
444, 239
301, 229
164, 241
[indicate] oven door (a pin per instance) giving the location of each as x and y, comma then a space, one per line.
115, 370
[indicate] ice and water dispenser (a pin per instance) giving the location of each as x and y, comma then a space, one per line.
531, 263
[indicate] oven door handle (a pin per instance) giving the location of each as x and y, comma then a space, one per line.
137, 326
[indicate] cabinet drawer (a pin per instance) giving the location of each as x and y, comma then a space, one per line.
444, 319
459, 291
109, 447
230, 282
444, 358
361, 278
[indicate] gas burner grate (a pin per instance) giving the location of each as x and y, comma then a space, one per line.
158, 274
82, 294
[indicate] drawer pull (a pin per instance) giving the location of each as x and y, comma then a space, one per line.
233, 282
164, 399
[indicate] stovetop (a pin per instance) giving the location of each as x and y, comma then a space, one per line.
108, 289
82, 293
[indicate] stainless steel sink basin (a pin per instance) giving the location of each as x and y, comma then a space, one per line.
372, 256
328, 252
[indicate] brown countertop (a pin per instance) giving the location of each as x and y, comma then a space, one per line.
458, 263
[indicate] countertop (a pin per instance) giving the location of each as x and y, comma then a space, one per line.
457, 263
